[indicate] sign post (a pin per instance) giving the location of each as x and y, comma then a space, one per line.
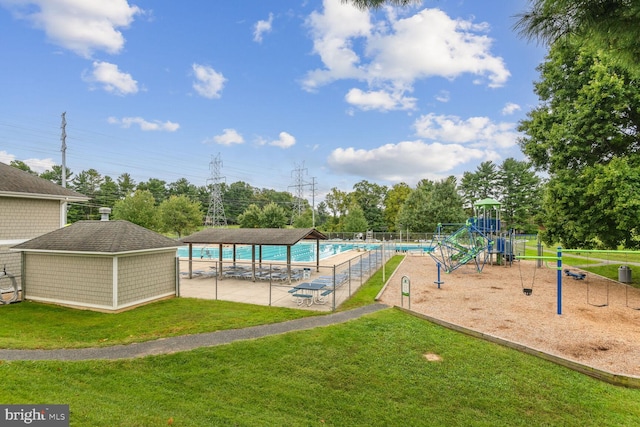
406, 290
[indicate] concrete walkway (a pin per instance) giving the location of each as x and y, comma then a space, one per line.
189, 342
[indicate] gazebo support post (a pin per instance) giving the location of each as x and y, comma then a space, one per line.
190, 260
220, 276
289, 263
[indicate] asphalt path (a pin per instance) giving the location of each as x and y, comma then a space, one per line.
189, 342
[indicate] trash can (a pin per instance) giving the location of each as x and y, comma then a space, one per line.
624, 274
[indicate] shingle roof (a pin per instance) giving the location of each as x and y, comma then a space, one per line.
253, 236
99, 237
15, 182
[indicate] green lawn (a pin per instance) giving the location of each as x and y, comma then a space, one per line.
367, 372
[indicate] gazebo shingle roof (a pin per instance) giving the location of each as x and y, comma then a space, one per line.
253, 236
110, 237
15, 183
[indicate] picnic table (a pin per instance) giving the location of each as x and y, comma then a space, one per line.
309, 293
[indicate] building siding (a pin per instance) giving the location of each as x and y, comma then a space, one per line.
11, 261
146, 276
27, 218
69, 279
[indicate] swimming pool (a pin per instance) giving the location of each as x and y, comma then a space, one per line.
300, 252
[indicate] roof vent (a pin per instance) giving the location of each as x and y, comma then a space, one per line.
104, 214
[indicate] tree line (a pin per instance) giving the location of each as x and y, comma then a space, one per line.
181, 207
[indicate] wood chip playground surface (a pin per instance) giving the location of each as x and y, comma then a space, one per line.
599, 325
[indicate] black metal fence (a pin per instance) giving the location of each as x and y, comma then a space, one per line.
299, 285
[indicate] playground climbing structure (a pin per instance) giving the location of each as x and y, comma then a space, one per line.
467, 244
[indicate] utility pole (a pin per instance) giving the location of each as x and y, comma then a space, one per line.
63, 171
313, 201
215, 214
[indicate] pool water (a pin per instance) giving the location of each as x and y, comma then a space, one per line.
300, 252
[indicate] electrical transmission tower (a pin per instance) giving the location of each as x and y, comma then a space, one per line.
215, 214
299, 184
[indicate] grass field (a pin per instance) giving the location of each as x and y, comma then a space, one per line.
372, 371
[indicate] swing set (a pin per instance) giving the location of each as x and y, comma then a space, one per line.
605, 262
528, 291
576, 275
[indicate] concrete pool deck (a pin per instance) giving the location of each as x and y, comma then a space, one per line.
275, 294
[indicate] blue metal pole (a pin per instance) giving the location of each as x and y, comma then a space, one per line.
559, 280
439, 281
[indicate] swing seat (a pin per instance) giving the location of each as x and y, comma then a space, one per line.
527, 291
576, 276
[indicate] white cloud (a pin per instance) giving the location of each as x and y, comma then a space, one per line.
209, 83
79, 25
261, 28
478, 131
285, 140
443, 96
379, 100
407, 161
112, 79
333, 32
40, 165
510, 108
397, 52
6, 157
156, 125
228, 137
37, 165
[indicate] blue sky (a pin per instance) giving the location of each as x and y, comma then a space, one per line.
159, 88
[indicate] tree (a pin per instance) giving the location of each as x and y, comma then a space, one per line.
88, 183
182, 187
375, 4
478, 185
393, 201
337, 202
236, 199
180, 215
611, 26
413, 214
588, 118
126, 185
138, 208
322, 215
588, 113
431, 203
273, 216
19, 164
157, 187
520, 190
55, 174
251, 217
282, 198
305, 220
355, 221
108, 192
370, 197
445, 205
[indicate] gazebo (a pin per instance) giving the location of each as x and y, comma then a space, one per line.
254, 237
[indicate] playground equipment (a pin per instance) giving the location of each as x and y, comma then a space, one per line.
438, 282
8, 285
466, 244
575, 276
477, 240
